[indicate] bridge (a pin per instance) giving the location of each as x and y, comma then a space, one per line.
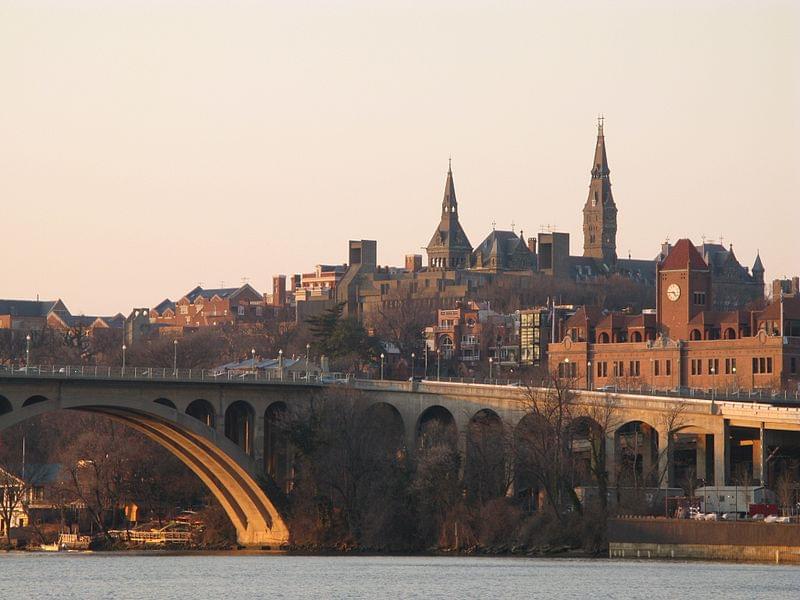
224, 427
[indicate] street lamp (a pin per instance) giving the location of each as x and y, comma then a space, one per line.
426, 361
124, 348
413, 356
713, 390
383, 357
280, 362
491, 360
27, 352
588, 375
308, 349
438, 363
175, 357
253, 359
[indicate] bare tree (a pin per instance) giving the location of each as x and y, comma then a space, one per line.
544, 440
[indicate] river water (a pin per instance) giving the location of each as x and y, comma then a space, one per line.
123, 576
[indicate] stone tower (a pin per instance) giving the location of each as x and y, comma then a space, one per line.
449, 247
600, 212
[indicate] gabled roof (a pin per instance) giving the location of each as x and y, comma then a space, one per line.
501, 245
29, 308
683, 253
164, 305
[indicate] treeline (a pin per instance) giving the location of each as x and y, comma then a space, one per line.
357, 485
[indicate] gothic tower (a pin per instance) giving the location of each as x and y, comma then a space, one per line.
600, 212
449, 247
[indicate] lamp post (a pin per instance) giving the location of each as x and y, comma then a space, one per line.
713, 389
383, 357
413, 356
426, 361
308, 349
566, 367
280, 362
735, 381
490, 367
27, 352
253, 359
588, 375
175, 357
124, 348
438, 364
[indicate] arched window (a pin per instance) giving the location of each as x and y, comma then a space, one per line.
636, 336
695, 335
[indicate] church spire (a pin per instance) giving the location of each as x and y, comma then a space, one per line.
449, 202
600, 211
600, 166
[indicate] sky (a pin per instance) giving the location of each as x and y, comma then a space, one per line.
148, 146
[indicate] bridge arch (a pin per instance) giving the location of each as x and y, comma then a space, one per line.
165, 402
386, 428
5, 405
485, 460
436, 426
586, 444
636, 447
203, 411
239, 423
219, 463
276, 444
34, 400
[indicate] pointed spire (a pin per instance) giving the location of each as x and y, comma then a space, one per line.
449, 203
600, 166
758, 266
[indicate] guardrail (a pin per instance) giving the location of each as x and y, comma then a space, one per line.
263, 376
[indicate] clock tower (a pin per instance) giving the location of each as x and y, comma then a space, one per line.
683, 290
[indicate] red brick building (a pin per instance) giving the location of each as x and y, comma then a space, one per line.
684, 344
211, 308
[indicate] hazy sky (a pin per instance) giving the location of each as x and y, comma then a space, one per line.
147, 146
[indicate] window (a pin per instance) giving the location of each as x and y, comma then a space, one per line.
634, 368
241, 311
699, 298
656, 368
697, 366
602, 369
619, 368
183, 309
769, 364
713, 366
668, 365
762, 365
730, 366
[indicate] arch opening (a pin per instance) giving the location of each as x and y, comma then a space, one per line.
385, 429
165, 402
202, 411
636, 450
435, 427
239, 421
485, 473
5, 405
252, 513
277, 453
34, 400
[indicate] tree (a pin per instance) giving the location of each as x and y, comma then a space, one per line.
544, 441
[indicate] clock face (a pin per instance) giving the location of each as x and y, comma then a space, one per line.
674, 292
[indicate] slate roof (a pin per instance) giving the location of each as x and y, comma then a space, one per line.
27, 308
681, 254
502, 245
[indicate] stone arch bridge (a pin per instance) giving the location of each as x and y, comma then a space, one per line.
223, 430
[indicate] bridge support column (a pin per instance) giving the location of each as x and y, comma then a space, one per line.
258, 441
701, 457
722, 454
760, 456
611, 459
665, 461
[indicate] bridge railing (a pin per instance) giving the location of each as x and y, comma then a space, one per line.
270, 376
763, 396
